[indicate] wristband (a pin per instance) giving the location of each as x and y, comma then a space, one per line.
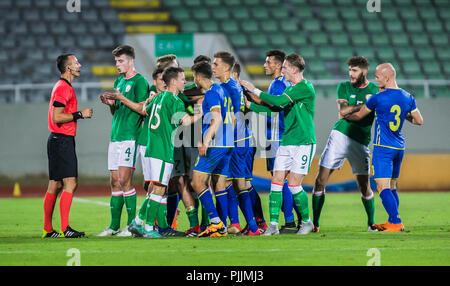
257, 92
77, 115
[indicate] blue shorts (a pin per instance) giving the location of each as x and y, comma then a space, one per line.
241, 163
216, 162
386, 162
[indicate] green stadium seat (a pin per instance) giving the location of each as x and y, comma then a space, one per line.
181, 14
322, 2
375, 27
240, 13
279, 12
172, 3
307, 52
379, 40
409, 14
200, 14
414, 26
406, 54
278, 40
233, 2
213, 3
303, 12
400, 40
239, 40
443, 54
428, 14
444, 13
420, 41
434, 27
220, 14
327, 53
334, 26
298, 39
343, 53
328, 13
253, 2
441, 3
319, 39
192, 3
344, 3
367, 52
229, 26
388, 14
360, 40
354, 26
270, 26
404, 2
190, 27
261, 13
250, 26
289, 26
439, 40
340, 39
258, 39
210, 26
426, 54
395, 27
349, 13
386, 54
298, 2
440, 91
311, 25
412, 69
370, 16
271, 2
432, 68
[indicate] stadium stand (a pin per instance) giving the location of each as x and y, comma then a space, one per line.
412, 34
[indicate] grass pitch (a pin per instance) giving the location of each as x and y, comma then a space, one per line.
343, 239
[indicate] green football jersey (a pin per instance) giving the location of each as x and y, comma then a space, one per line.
126, 122
298, 104
356, 130
143, 127
166, 112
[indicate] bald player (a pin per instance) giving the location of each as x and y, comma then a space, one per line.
392, 106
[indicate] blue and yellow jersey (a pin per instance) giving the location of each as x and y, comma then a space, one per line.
391, 107
275, 124
241, 132
215, 97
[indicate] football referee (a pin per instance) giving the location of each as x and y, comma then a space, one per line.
62, 159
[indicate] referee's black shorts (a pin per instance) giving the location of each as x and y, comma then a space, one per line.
62, 159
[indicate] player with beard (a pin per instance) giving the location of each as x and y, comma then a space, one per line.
349, 140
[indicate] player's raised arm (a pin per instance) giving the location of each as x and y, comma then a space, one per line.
355, 113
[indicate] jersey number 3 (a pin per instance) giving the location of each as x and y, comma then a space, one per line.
395, 125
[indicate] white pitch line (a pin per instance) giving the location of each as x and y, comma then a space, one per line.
80, 200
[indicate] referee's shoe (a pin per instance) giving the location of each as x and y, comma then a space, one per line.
71, 233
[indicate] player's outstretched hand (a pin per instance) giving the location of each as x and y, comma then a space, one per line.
248, 85
105, 100
87, 112
202, 148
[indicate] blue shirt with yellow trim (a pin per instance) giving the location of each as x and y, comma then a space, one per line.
241, 132
215, 97
275, 124
391, 107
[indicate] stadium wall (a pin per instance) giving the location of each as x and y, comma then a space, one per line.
24, 133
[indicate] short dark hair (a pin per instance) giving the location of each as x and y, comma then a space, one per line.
61, 62
279, 55
202, 58
296, 60
226, 58
156, 72
358, 61
203, 68
236, 68
124, 50
165, 61
171, 73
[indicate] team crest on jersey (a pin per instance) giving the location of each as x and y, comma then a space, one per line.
127, 89
353, 96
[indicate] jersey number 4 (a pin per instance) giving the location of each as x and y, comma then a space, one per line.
155, 113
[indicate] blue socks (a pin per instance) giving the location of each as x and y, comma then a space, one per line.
208, 203
233, 212
222, 203
390, 204
288, 203
394, 193
245, 204
256, 204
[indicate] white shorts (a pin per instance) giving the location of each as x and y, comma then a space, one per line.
296, 159
145, 161
160, 171
121, 154
339, 147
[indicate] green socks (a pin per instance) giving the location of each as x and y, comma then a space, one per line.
130, 204
275, 202
143, 210
162, 214
301, 201
192, 214
318, 199
116, 203
369, 206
